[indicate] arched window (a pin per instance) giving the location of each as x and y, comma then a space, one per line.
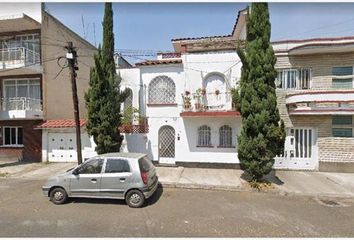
162, 90
204, 136
225, 136
128, 102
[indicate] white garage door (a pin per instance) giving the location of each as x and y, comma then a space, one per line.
62, 147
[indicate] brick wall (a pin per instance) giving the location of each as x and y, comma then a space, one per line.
321, 65
32, 140
330, 149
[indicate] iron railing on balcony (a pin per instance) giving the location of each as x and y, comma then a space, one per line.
21, 103
207, 101
18, 57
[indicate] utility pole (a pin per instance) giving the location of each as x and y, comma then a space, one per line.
71, 56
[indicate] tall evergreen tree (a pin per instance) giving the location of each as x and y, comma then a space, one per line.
104, 97
262, 135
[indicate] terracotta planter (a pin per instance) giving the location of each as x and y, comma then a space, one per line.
198, 107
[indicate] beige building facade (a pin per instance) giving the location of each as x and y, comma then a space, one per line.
36, 115
316, 101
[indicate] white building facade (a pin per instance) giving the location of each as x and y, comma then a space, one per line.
186, 98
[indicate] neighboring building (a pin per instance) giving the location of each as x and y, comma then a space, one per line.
121, 62
36, 116
316, 101
315, 98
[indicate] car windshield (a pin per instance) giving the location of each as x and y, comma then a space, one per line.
145, 164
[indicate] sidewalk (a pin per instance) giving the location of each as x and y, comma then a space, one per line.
318, 184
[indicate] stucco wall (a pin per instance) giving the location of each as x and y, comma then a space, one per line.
188, 76
57, 95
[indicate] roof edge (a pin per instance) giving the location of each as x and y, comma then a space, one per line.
69, 30
313, 40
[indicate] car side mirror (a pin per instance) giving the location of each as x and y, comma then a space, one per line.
76, 171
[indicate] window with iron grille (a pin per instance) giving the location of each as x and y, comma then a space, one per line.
162, 90
128, 102
294, 78
225, 136
204, 136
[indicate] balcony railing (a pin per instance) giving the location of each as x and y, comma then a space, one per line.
200, 102
18, 57
21, 103
130, 128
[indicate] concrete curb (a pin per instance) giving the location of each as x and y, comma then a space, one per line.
242, 189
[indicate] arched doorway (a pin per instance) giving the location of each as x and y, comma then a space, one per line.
167, 145
216, 91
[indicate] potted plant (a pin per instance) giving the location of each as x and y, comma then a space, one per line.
198, 100
186, 101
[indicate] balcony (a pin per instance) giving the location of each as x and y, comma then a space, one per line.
18, 57
208, 104
21, 108
323, 102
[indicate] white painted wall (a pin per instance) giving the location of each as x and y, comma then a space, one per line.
12, 9
189, 76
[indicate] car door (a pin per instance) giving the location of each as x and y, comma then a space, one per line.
87, 180
116, 177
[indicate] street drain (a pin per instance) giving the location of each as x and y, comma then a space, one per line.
330, 203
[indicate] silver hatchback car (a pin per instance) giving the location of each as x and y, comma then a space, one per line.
129, 176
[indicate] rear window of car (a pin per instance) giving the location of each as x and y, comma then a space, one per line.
145, 164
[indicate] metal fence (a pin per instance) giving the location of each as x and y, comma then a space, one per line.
15, 57
21, 103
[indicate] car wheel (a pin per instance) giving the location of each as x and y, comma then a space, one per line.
135, 198
58, 196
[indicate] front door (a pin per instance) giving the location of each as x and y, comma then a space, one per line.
167, 145
299, 150
88, 180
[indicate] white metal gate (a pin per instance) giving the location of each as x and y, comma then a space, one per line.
167, 145
299, 150
62, 147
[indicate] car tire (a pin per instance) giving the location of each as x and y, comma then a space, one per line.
58, 196
135, 198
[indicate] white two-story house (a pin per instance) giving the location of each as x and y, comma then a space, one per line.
186, 97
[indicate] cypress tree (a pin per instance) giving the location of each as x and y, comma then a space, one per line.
262, 134
104, 97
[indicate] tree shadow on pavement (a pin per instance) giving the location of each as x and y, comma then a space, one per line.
273, 178
269, 178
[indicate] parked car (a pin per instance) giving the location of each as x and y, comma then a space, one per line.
129, 176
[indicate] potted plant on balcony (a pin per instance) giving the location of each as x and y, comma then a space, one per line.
198, 100
186, 101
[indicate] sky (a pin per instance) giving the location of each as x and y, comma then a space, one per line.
151, 26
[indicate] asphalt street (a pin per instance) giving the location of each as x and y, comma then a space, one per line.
25, 212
